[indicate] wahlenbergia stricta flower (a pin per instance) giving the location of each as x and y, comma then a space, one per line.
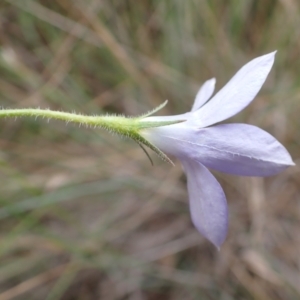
238, 149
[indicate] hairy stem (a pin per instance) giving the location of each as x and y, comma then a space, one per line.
128, 127
101, 121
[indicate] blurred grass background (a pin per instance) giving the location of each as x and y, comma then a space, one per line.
83, 214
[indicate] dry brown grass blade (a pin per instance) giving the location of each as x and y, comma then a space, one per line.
256, 202
112, 44
261, 267
59, 66
157, 68
254, 286
32, 283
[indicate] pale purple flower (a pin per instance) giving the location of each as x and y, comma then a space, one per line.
238, 149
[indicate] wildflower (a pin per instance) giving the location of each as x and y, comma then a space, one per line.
238, 149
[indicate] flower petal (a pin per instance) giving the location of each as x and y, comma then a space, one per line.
237, 93
204, 93
207, 202
240, 149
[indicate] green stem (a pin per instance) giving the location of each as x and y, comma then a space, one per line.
118, 124
99, 121
128, 127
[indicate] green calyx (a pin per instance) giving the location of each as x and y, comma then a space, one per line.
125, 126
130, 127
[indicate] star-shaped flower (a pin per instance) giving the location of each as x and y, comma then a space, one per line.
238, 149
